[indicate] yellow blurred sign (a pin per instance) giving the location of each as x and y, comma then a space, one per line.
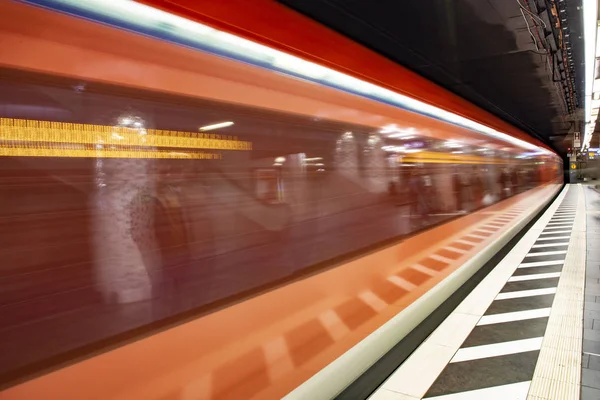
573, 166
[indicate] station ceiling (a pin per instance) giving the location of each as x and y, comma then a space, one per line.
507, 56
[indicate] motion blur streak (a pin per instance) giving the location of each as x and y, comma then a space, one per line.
228, 264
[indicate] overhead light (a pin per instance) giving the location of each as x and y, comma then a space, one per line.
216, 126
280, 160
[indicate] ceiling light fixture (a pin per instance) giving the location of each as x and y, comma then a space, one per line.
216, 126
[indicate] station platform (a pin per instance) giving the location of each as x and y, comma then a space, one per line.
530, 329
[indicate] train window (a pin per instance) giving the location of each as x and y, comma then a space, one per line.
125, 210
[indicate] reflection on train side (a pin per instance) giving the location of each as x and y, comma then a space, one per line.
115, 219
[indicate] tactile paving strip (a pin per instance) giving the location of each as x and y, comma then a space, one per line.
558, 371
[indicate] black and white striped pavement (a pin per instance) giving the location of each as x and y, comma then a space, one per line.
498, 358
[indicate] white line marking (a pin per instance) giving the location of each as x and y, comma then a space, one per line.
467, 242
454, 249
525, 293
553, 238
336, 328
441, 259
546, 253
514, 316
533, 277
541, 263
497, 349
554, 233
513, 391
401, 283
555, 228
372, 300
424, 270
539, 246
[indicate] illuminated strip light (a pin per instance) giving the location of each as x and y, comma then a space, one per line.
432, 159
153, 22
590, 27
18, 130
24, 151
216, 126
444, 158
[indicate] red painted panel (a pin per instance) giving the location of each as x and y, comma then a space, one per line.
277, 26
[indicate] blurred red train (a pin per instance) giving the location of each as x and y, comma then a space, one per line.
150, 179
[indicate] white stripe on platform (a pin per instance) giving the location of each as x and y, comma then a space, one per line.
497, 349
525, 293
546, 229
514, 316
533, 277
424, 270
539, 246
454, 249
553, 238
441, 259
541, 263
402, 283
554, 233
559, 225
546, 253
513, 391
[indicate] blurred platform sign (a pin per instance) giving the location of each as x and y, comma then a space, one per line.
577, 139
